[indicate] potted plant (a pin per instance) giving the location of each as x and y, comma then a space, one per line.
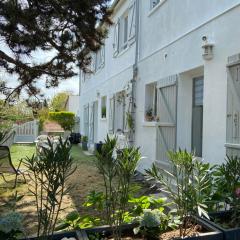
85, 143
98, 146
187, 183
149, 115
227, 196
104, 111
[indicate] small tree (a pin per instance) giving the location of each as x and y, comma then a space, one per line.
49, 173
117, 168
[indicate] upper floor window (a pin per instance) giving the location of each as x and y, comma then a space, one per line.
123, 32
99, 59
154, 3
124, 29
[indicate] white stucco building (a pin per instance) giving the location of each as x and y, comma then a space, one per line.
177, 62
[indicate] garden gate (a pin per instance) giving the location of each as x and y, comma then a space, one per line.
26, 132
167, 112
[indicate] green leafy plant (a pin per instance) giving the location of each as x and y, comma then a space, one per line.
11, 226
154, 222
65, 119
74, 221
49, 173
104, 111
186, 184
228, 186
130, 121
117, 168
84, 139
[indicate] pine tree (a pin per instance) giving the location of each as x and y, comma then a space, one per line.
67, 30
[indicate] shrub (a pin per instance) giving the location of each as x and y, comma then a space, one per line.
192, 180
65, 119
85, 139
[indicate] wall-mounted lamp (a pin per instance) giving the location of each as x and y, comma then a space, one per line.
207, 49
98, 94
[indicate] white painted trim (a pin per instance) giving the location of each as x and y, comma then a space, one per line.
154, 9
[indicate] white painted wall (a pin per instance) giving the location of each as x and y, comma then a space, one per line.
170, 42
112, 78
73, 104
180, 37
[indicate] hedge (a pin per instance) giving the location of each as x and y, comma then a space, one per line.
65, 119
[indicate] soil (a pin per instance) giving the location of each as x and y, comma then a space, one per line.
170, 235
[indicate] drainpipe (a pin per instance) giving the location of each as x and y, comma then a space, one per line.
135, 75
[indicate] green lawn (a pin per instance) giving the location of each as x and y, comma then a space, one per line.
19, 151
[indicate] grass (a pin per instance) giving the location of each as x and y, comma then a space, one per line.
85, 179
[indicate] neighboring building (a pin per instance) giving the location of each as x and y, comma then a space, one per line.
177, 61
73, 105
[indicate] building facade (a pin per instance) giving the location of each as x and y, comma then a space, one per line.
169, 74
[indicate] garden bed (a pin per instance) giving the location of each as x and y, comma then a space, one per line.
201, 231
220, 220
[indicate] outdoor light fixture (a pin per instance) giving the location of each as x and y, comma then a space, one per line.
207, 49
98, 93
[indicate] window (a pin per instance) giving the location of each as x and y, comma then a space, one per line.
154, 3
104, 107
151, 99
123, 34
124, 30
99, 59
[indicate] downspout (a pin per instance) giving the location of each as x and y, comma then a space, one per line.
135, 75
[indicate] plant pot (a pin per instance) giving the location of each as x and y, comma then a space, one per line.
78, 235
228, 234
211, 234
98, 147
85, 146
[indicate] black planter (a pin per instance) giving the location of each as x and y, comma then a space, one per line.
85, 146
212, 233
228, 234
98, 147
106, 230
58, 236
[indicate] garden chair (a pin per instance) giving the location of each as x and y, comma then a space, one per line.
6, 166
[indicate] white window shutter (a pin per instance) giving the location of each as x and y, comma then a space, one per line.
102, 56
132, 22
93, 63
111, 115
116, 38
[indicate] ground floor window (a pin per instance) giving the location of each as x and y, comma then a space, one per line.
151, 99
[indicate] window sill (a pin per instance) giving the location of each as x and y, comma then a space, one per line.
150, 124
103, 119
123, 51
153, 10
232, 145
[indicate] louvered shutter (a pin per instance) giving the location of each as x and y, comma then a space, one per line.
116, 38
86, 120
91, 128
111, 115
132, 22
102, 56
233, 111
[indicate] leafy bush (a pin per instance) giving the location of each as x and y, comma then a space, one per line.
85, 139
11, 226
65, 119
49, 173
192, 179
117, 168
228, 186
154, 222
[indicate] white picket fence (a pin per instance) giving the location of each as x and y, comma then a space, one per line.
26, 132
